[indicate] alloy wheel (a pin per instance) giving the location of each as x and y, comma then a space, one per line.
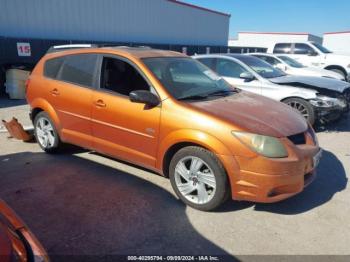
45, 133
300, 108
195, 180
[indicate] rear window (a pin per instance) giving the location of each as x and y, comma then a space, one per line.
52, 67
283, 48
303, 49
79, 69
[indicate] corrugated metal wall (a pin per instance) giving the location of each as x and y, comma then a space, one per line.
146, 21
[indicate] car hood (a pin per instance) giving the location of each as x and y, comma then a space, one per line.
255, 114
325, 86
322, 72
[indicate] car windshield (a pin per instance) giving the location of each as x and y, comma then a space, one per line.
186, 78
322, 48
291, 62
261, 67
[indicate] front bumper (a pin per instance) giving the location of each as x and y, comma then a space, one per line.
266, 180
263, 188
325, 115
35, 249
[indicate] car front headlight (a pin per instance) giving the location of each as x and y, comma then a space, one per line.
264, 145
326, 102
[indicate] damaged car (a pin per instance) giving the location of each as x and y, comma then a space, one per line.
317, 99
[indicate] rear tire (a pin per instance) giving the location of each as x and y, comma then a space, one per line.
198, 178
46, 133
303, 107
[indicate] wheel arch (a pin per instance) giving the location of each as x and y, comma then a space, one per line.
183, 138
39, 105
330, 67
291, 97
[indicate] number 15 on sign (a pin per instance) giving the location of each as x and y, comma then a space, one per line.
23, 49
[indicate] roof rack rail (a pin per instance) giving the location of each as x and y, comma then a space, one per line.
124, 46
59, 48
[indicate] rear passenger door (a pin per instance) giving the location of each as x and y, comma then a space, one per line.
71, 97
121, 128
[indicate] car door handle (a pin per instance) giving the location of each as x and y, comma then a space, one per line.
100, 103
55, 92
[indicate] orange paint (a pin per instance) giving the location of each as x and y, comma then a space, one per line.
114, 126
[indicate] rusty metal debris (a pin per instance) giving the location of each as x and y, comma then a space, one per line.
17, 131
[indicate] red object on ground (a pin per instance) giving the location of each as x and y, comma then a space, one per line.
16, 130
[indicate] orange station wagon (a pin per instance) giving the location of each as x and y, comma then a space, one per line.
169, 113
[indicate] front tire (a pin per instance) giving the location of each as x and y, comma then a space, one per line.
303, 107
198, 178
46, 133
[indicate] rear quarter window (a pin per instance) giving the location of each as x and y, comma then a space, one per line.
282, 48
52, 67
79, 69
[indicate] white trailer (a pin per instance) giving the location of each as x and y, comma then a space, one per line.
267, 39
338, 42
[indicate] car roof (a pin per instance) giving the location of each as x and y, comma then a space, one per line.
236, 56
264, 54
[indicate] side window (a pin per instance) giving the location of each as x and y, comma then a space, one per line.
79, 69
269, 59
121, 77
52, 67
303, 49
229, 68
282, 48
209, 62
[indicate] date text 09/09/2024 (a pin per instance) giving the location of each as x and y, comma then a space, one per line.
173, 258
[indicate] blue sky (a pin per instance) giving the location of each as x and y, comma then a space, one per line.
312, 16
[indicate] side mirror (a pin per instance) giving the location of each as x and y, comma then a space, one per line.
144, 97
281, 67
248, 77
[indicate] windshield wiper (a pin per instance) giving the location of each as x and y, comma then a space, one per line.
193, 97
222, 93
205, 96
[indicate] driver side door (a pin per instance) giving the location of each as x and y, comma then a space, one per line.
121, 128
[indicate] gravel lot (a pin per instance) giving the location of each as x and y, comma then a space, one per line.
80, 203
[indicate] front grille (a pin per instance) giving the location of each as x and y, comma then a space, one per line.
298, 139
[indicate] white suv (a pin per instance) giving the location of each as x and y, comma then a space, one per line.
314, 54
